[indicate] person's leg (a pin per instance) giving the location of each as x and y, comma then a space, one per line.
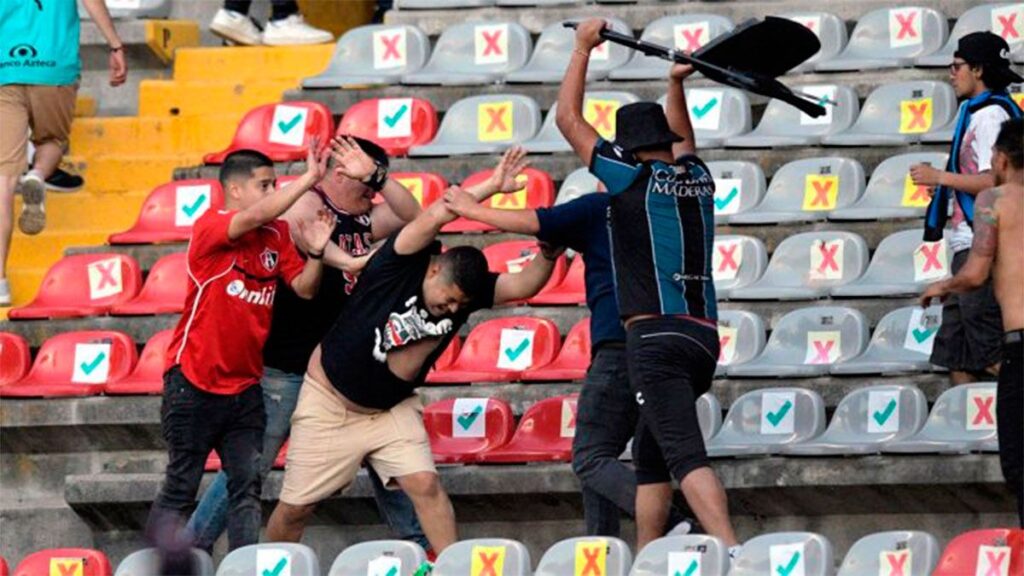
287, 27
433, 508
240, 6
653, 485
232, 23
210, 518
52, 110
281, 9
240, 451
13, 162
1010, 422
397, 511
983, 332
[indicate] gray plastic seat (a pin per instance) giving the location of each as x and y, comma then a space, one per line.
762, 422
379, 557
784, 125
963, 419
457, 559
709, 415
866, 554
741, 336
435, 4
866, 419
806, 191
598, 109
553, 51
903, 265
146, 563
808, 266
257, 558
942, 135
560, 559
535, 2
127, 9
739, 186
831, 32
373, 55
976, 19
807, 342
902, 342
716, 114
896, 114
684, 32
890, 193
695, 555
737, 261
890, 38
483, 125
578, 183
768, 553
474, 53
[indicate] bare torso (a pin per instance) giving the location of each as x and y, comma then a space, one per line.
1008, 269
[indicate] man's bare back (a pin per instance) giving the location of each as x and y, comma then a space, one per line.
999, 212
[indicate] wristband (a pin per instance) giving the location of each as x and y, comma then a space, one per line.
378, 179
312, 256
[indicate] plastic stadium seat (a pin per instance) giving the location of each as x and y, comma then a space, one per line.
535, 2
1006, 20
477, 555
4, 569
763, 422
448, 356
77, 561
903, 265
695, 555
998, 551
902, 342
170, 210
511, 257
571, 290
785, 553
461, 428
963, 419
213, 463
579, 182
268, 557
899, 113
475, 53
379, 557
146, 563
598, 109
709, 415
890, 192
538, 192
148, 375
376, 54
76, 364
483, 125
544, 434
395, 124
124, 10
164, 290
783, 125
738, 261
426, 187
807, 342
499, 350
806, 266
684, 32
890, 38
83, 285
944, 134
716, 114
586, 555
281, 131
739, 186
830, 30
552, 52
741, 338
573, 359
806, 191
907, 552
15, 358
435, 4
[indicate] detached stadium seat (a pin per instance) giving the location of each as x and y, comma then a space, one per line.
572, 361
890, 192
538, 191
741, 338
578, 183
1006, 20
737, 261
586, 555
147, 562
807, 266
395, 124
148, 375
739, 186
902, 342
890, 38
783, 125
461, 557
483, 125
76, 561
499, 350
763, 422
571, 290
898, 114
784, 553
903, 265
76, 364
379, 557
260, 558
170, 210
683, 32
554, 48
806, 191
513, 256
462, 428
912, 552
83, 285
831, 32
963, 419
997, 551
281, 131
15, 358
375, 54
425, 187
544, 434
474, 54
164, 291
693, 554
599, 111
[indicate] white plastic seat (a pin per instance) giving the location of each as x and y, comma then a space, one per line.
483, 125
297, 559
890, 38
899, 113
695, 555
963, 419
741, 337
762, 422
806, 191
890, 192
598, 109
606, 556
830, 30
375, 54
995, 18
738, 261
901, 343
739, 186
147, 562
579, 182
554, 48
783, 125
435, 4
709, 415
913, 552
716, 114
785, 553
379, 557
903, 265
473, 54
459, 558
683, 32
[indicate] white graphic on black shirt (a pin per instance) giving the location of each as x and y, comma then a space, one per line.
409, 326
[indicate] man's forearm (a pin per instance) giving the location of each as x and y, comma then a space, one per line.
400, 200
270, 207
307, 283
678, 117
570, 95
516, 221
972, 184
335, 257
97, 10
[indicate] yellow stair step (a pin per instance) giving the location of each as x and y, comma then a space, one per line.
92, 137
112, 173
89, 211
205, 97
251, 63
166, 37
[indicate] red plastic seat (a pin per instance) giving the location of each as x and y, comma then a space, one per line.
571, 290
544, 435
483, 360
447, 358
15, 358
396, 126
4, 570
515, 255
539, 192
278, 131
169, 211
213, 463
164, 291
76, 364
65, 561
482, 427
426, 187
963, 555
572, 361
148, 375
83, 285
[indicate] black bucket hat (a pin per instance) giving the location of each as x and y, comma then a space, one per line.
642, 125
988, 50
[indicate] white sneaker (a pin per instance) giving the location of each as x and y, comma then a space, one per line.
5, 293
294, 30
237, 28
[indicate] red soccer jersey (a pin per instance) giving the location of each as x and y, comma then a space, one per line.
219, 339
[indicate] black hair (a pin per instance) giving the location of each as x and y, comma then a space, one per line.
1009, 141
241, 164
991, 78
466, 267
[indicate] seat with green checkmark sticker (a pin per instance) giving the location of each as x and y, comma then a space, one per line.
283, 135
365, 559
901, 343
690, 555
572, 361
83, 285
482, 353
717, 114
76, 364
784, 126
377, 54
394, 124
164, 291
147, 562
270, 559
784, 554
749, 427
739, 186
544, 434
447, 427
906, 552
169, 210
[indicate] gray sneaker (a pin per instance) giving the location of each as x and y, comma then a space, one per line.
33, 194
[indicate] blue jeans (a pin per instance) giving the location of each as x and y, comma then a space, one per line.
280, 395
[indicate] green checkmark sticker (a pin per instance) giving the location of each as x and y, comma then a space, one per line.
785, 570
190, 210
286, 127
884, 415
278, 568
394, 118
88, 367
392, 572
778, 415
923, 335
689, 570
721, 203
702, 111
513, 354
466, 420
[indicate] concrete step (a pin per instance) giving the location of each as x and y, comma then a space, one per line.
251, 63
171, 135
37, 524
208, 97
126, 172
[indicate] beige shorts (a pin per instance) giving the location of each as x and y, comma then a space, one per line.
46, 110
329, 444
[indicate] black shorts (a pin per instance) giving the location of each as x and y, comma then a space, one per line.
971, 336
671, 363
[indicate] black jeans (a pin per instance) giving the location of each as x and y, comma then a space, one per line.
194, 422
280, 9
1010, 421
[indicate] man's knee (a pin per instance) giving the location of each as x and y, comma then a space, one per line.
421, 485
293, 514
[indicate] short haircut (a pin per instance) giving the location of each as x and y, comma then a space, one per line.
241, 164
466, 267
1009, 141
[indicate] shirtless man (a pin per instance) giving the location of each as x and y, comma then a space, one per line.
996, 250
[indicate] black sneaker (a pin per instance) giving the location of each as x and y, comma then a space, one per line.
62, 181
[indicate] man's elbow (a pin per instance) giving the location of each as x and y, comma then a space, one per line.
304, 290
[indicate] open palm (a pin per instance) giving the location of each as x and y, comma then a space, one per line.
505, 177
351, 160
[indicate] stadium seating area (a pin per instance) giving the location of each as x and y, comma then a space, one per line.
826, 421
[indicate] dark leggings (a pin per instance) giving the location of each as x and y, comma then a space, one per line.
1010, 421
281, 9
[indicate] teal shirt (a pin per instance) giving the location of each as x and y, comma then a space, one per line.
39, 42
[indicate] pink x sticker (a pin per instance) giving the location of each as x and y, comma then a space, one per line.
823, 347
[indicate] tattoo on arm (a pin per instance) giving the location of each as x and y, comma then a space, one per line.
986, 223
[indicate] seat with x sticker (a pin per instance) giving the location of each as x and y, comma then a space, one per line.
579, 182
164, 290
737, 261
15, 358
903, 265
763, 422
890, 38
783, 125
484, 557
72, 561
483, 125
83, 285
586, 556
688, 32
901, 343
379, 557
270, 557
499, 350
598, 110
538, 191
515, 255
460, 429
805, 191
830, 30
554, 48
739, 186
741, 338
282, 131
474, 54
139, 9
782, 553
1005, 20
895, 553
962, 420
994, 552
891, 192
148, 375
374, 54
147, 561
572, 361
169, 211
76, 364
899, 113
571, 290
693, 554
394, 124
717, 113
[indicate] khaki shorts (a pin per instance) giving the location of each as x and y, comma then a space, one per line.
329, 444
46, 110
